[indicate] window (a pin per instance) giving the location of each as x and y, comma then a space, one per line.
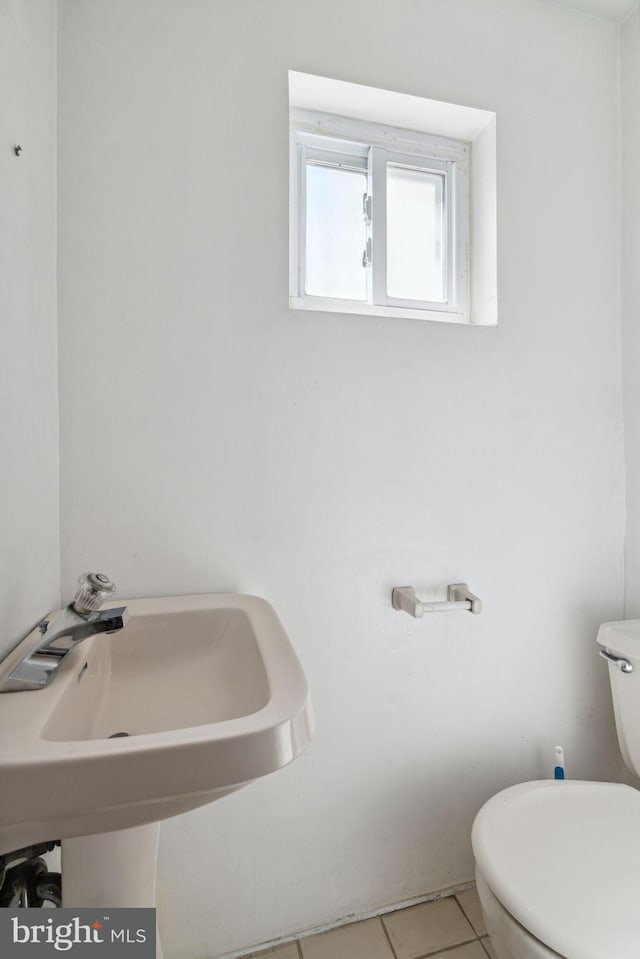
379, 219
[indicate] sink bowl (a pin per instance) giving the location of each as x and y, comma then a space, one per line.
197, 696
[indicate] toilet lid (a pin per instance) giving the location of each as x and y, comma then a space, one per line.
564, 859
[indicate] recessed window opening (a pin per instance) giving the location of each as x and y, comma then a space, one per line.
387, 192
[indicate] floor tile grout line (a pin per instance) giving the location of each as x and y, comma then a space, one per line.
466, 915
427, 955
443, 952
449, 949
388, 937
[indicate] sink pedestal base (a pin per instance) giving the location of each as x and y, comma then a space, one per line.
112, 869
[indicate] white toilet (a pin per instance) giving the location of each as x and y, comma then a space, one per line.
558, 862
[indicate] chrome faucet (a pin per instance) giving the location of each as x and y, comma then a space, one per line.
80, 619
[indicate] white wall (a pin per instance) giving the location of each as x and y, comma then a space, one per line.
29, 515
630, 115
213, 440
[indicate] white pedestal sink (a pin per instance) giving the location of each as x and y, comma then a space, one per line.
210, 694
127, 873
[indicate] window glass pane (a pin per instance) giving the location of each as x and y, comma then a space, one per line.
415, 234
336, 233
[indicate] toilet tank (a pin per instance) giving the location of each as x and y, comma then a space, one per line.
621, 641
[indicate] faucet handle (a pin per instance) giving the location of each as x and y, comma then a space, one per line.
93, 589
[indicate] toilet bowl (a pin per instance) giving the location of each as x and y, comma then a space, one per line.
558, 862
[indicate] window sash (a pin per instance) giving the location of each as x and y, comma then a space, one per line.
432, 155
381, 159
348, 270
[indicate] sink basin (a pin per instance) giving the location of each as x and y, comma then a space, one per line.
197, 696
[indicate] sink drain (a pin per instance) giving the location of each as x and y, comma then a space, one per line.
117, 735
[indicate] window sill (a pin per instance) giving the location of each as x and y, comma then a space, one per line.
322, 305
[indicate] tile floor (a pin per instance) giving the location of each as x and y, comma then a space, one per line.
450, 928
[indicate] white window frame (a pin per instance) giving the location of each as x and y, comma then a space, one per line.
370, 146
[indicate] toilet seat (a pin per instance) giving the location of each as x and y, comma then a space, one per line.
563, 858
